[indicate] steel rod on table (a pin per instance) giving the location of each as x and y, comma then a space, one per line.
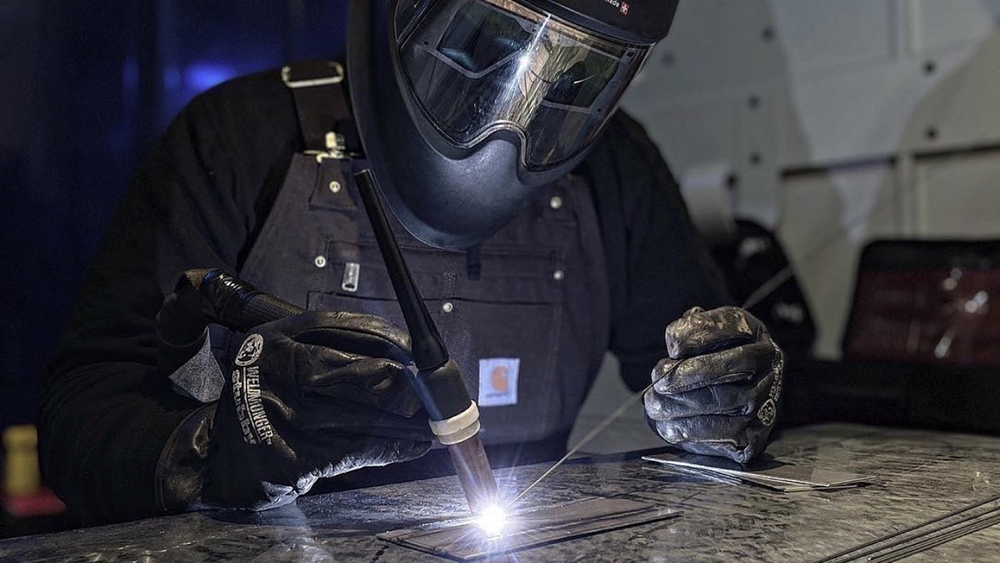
859, 550
967, 527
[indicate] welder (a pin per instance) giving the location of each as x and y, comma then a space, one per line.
541, 226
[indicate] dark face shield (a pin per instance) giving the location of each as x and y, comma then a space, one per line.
476, 67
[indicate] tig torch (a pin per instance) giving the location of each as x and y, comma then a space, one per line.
454, 417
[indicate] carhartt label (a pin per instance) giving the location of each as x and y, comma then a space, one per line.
250, 412
498, 381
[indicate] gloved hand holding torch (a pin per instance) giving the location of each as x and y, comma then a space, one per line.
335, 390
309, 396
718, 390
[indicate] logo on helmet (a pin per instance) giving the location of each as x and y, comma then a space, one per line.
622, 6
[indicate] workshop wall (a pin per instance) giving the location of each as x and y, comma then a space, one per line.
840, 121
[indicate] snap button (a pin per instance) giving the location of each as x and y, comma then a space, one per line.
447, 307
556, 202
320, 261
558, 275
335, 187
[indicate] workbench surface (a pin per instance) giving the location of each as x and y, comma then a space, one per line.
920, 475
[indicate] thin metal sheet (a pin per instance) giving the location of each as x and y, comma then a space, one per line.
780, 486
464, 540
794, 477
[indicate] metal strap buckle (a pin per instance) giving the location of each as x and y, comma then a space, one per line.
294, 82
337, 149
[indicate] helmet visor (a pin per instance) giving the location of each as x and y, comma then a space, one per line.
479, 66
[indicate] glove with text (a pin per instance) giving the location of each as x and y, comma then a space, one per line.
309, 396
718, 390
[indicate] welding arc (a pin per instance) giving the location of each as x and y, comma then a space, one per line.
597, 430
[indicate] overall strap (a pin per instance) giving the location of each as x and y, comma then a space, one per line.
321, 102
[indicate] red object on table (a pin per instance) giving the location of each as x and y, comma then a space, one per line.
42, 503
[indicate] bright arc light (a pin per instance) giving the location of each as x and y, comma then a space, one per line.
492, 521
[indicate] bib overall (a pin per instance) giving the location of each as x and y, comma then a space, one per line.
525, 314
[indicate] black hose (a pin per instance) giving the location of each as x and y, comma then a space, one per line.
238, 305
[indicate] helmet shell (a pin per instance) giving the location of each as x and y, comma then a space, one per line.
632, 21
445, 196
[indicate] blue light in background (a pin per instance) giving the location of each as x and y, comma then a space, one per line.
130, 76
181, 83
171, 78
121, 135
200, 76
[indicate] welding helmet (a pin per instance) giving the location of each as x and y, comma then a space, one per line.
465, 107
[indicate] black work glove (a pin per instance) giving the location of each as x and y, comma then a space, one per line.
721, 397
310, 396
181, 324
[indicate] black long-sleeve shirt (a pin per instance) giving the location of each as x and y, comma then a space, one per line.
199, 199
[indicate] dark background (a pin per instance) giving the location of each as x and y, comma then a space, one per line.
85, 88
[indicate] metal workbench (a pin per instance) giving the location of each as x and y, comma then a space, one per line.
920, 474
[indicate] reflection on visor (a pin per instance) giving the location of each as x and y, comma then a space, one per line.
480, 37
477, 66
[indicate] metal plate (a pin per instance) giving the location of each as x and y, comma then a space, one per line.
464, 540
769, 472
